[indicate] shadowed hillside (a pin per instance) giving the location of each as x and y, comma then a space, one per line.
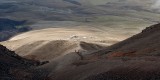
14, 67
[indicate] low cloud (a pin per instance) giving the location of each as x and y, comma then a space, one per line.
156, 5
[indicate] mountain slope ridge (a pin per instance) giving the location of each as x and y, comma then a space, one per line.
144, 43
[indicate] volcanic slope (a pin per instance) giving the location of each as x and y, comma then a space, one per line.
145, 43
138, 63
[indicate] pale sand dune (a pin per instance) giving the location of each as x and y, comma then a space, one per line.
60, 53
47, 44
66, 34
50, 34
48, 50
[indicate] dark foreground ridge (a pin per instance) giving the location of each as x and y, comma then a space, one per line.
14, 67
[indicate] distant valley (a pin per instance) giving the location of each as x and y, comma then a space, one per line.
9, 28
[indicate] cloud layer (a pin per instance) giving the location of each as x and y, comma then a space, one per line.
156, 5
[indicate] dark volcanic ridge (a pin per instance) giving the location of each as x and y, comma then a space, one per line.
14, 67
